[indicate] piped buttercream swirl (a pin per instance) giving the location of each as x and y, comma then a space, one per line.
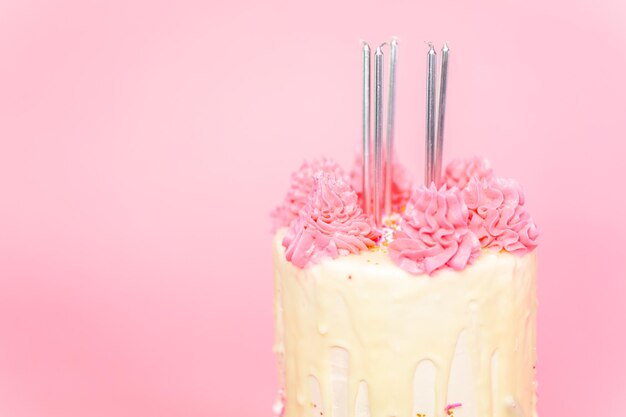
434, 232
330, 224
300, 189
459, 172
497, 215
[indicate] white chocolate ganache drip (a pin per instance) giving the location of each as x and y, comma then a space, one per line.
359, 337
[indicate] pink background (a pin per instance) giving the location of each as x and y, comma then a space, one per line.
142, 145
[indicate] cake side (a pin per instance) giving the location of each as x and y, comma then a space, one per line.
359, 336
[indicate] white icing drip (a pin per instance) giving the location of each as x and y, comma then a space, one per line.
279, 339
362, 408
315, 405
424, 389
389, 321
339, 363
461, 387
495, 392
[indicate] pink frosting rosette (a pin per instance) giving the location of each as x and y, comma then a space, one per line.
434, 233
330, 224
400, 185
300, 189
497, 215
459, 172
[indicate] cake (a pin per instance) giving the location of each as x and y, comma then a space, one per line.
430, 312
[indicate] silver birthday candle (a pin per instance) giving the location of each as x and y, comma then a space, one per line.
430, 114
391, 108
378, 133
367, 175
443, 83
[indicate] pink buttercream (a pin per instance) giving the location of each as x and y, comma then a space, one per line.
497, 215
434, 233
400, 185
330, 224
300, 189
460, 171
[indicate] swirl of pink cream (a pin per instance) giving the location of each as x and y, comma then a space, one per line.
300, 189
497, 215
459, 172
434, 233
400, 185
330, 224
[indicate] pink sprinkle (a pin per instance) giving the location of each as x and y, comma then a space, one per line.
452, 406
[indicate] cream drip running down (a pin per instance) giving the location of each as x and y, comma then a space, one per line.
361, 337
407, 320
429, 310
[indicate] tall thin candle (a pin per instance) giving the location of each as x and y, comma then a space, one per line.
430, 114
378, 134
367, 175
441, 112
391, 108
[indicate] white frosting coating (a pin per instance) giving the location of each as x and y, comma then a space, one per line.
424, 388
357, 336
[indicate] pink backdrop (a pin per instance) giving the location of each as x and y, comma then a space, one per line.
142, 145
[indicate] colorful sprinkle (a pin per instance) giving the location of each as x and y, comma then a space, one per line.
450, 408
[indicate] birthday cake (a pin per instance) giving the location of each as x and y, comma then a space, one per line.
404, 299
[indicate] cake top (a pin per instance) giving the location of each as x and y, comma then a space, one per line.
446, 227
446, 223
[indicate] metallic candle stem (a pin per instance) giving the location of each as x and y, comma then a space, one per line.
367, 175
378, 133
430, 114
391, 108
443, 83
